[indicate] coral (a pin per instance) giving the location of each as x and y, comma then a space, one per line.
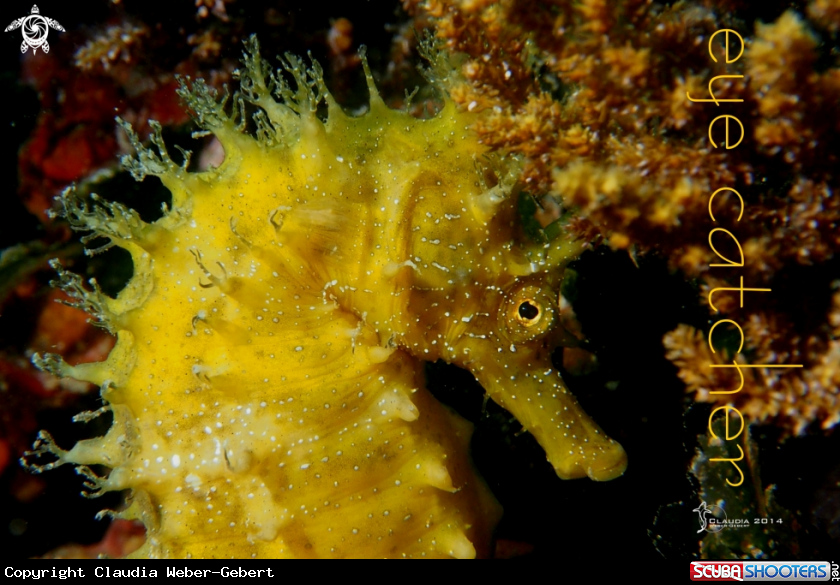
266, 383
825, 13
75, 135
593, 94
798, 400
71, 138
113, 44
217, 7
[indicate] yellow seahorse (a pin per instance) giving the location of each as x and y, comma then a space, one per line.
267, 383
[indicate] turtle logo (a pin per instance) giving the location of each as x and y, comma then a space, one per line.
35, 29
716, 512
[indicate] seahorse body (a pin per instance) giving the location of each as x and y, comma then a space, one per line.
267, 382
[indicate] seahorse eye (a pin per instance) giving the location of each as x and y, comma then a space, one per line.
529, 312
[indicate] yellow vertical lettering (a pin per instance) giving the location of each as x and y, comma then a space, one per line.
726, 141
712, 93
726, 44
732, 460
730, 262
740, 215
727, 408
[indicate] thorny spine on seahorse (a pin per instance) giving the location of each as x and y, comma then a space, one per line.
419, 276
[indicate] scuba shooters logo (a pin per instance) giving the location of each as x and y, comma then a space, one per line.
762, 571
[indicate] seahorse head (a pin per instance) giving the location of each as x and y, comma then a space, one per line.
484, 296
